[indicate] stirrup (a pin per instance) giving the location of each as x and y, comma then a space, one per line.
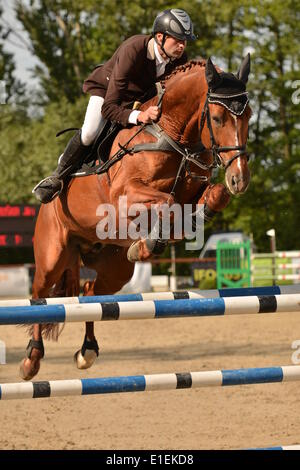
46, 179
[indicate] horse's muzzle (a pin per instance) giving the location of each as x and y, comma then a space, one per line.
237, 184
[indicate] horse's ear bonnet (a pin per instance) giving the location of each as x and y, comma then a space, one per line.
227, 89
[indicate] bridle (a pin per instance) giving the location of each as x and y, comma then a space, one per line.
216, 149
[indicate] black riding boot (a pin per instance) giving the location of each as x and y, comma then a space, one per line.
73, 157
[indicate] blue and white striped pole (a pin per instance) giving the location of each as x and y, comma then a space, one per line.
294, 447
207, 294
145, 383
149, 309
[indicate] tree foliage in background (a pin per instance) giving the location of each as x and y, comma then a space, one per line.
273, 196
70, 37
14, 88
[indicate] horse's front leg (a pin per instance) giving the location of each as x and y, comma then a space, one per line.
151, 199
214, 198
145, 248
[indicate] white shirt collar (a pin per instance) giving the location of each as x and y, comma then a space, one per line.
158, 58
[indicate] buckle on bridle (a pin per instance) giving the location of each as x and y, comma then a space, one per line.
218, 160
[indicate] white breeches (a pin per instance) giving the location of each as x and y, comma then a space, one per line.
93, 120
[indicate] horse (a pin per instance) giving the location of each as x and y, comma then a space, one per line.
203, 124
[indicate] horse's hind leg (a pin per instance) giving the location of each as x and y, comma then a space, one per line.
113, 272
89, 351
50, 266
67, 285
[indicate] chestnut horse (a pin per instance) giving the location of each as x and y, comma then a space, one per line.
201, 104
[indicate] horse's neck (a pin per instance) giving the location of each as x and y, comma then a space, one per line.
181, 107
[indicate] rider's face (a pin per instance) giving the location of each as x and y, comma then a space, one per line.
173, 47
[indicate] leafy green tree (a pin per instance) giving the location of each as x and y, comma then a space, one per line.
273, 194
32, 147
12, 89
70, 38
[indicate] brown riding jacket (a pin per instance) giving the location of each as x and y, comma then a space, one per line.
127, 77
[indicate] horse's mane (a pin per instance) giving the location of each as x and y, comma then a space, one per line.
183, 68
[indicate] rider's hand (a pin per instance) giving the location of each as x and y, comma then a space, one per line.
150, 114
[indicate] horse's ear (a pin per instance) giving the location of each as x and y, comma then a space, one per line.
244, 69
212, 76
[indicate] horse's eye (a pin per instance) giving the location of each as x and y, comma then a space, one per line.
217, 120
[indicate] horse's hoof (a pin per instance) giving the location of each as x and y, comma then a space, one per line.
133, 252
29, 368
86, 361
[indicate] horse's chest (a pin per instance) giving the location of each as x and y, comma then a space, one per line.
189, 188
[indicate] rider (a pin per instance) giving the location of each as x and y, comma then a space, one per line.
127, 77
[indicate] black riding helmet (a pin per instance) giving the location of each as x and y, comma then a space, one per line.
175, 23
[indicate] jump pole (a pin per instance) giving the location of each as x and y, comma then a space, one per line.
146, 383
197, 294
149, 309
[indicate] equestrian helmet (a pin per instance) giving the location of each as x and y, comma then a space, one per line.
175, 23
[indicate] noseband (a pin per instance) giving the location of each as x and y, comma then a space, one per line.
215, 149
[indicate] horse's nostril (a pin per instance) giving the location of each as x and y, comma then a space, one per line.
233, 181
